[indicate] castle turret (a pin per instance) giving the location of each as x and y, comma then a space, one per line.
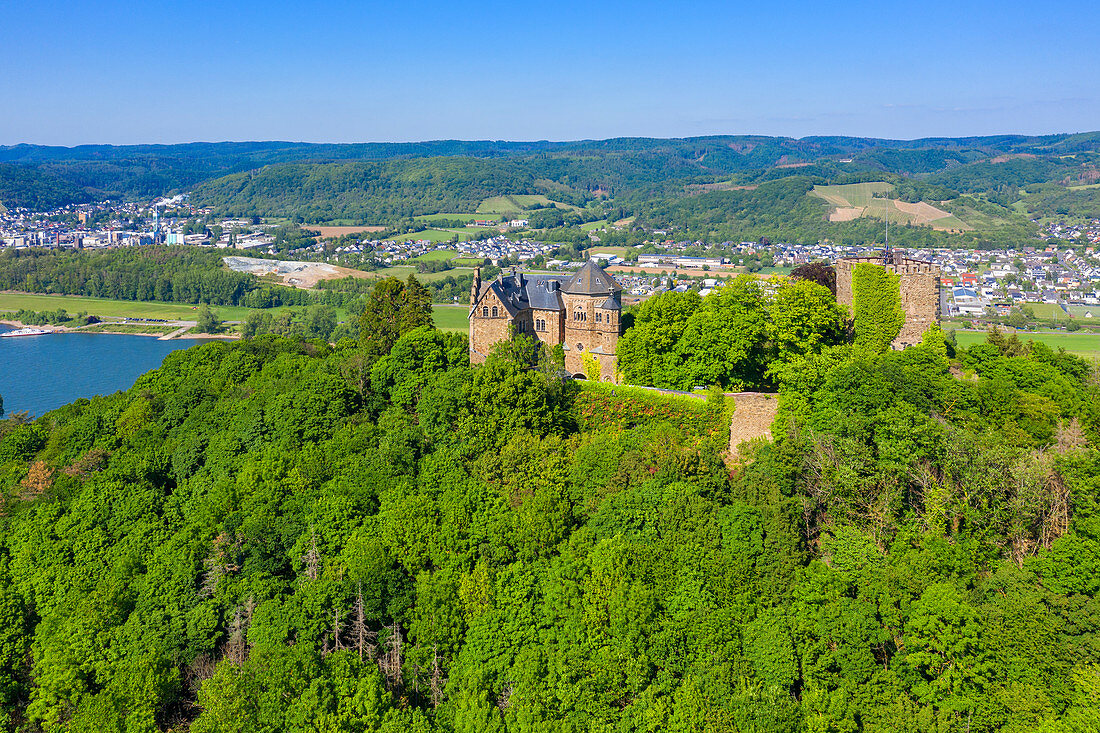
475, 290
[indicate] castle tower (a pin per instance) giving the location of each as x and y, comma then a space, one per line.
592, 304
919, 284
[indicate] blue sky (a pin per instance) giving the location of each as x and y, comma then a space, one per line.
109, 72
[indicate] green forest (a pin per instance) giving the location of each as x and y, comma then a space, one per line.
284, 535
165, 274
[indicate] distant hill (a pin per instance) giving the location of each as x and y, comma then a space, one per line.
702, 185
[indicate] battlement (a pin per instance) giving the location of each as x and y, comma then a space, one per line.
919, 283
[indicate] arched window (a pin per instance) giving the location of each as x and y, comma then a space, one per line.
484, 311
599, 317
580, 347
494, 311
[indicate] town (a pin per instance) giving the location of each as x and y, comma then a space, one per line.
1062, 270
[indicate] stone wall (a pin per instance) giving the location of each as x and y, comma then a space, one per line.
753, 415
487, 330
919, 283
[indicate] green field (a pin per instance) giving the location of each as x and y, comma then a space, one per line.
1047, 311
436, 255
462, 217
852, 194
515, 203
1082, 344
434, 235
499, 205
403, 271
115, 308
451, 317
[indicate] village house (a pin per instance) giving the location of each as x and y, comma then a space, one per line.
581, 311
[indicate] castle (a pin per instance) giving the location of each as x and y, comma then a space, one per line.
919, 282
581, 312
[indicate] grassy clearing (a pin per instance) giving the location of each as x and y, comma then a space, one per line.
1082, 344
499, 205
105, 308
451, 317
594, 225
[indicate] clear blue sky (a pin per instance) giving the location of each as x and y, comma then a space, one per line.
111, 72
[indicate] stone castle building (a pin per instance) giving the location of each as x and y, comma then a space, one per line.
919, 282
580, 311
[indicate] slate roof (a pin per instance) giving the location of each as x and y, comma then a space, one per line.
520, 290
591, 280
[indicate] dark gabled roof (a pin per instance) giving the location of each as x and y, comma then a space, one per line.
611, 304
591, 280
519, 291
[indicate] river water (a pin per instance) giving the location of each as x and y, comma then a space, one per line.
42, 373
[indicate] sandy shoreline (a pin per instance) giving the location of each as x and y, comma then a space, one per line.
108, 332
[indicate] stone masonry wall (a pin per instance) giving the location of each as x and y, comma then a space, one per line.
919, 283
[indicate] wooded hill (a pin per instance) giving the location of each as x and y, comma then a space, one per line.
279, 535
648, 178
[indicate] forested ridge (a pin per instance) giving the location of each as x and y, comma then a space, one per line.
283, 535
654, 180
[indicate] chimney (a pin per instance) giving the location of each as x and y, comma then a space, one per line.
476, 289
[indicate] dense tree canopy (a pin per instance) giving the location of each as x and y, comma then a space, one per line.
732, 337
281, 535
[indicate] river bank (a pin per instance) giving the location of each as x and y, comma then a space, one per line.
175, 330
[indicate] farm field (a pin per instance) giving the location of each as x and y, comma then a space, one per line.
451, 317
856, 200
619, 251
105, 308
325, 231
1082, 344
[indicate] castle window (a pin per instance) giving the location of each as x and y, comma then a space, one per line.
540, 325
580, 347
484, 311
599, 317
494, 311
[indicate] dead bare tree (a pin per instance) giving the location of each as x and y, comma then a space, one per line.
436, 682
236, 646
364, 638
311, 560
390, 662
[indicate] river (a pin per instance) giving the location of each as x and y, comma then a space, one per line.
42, 373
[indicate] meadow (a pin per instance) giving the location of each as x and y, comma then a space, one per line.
105, 308
1082, 344
451, 317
